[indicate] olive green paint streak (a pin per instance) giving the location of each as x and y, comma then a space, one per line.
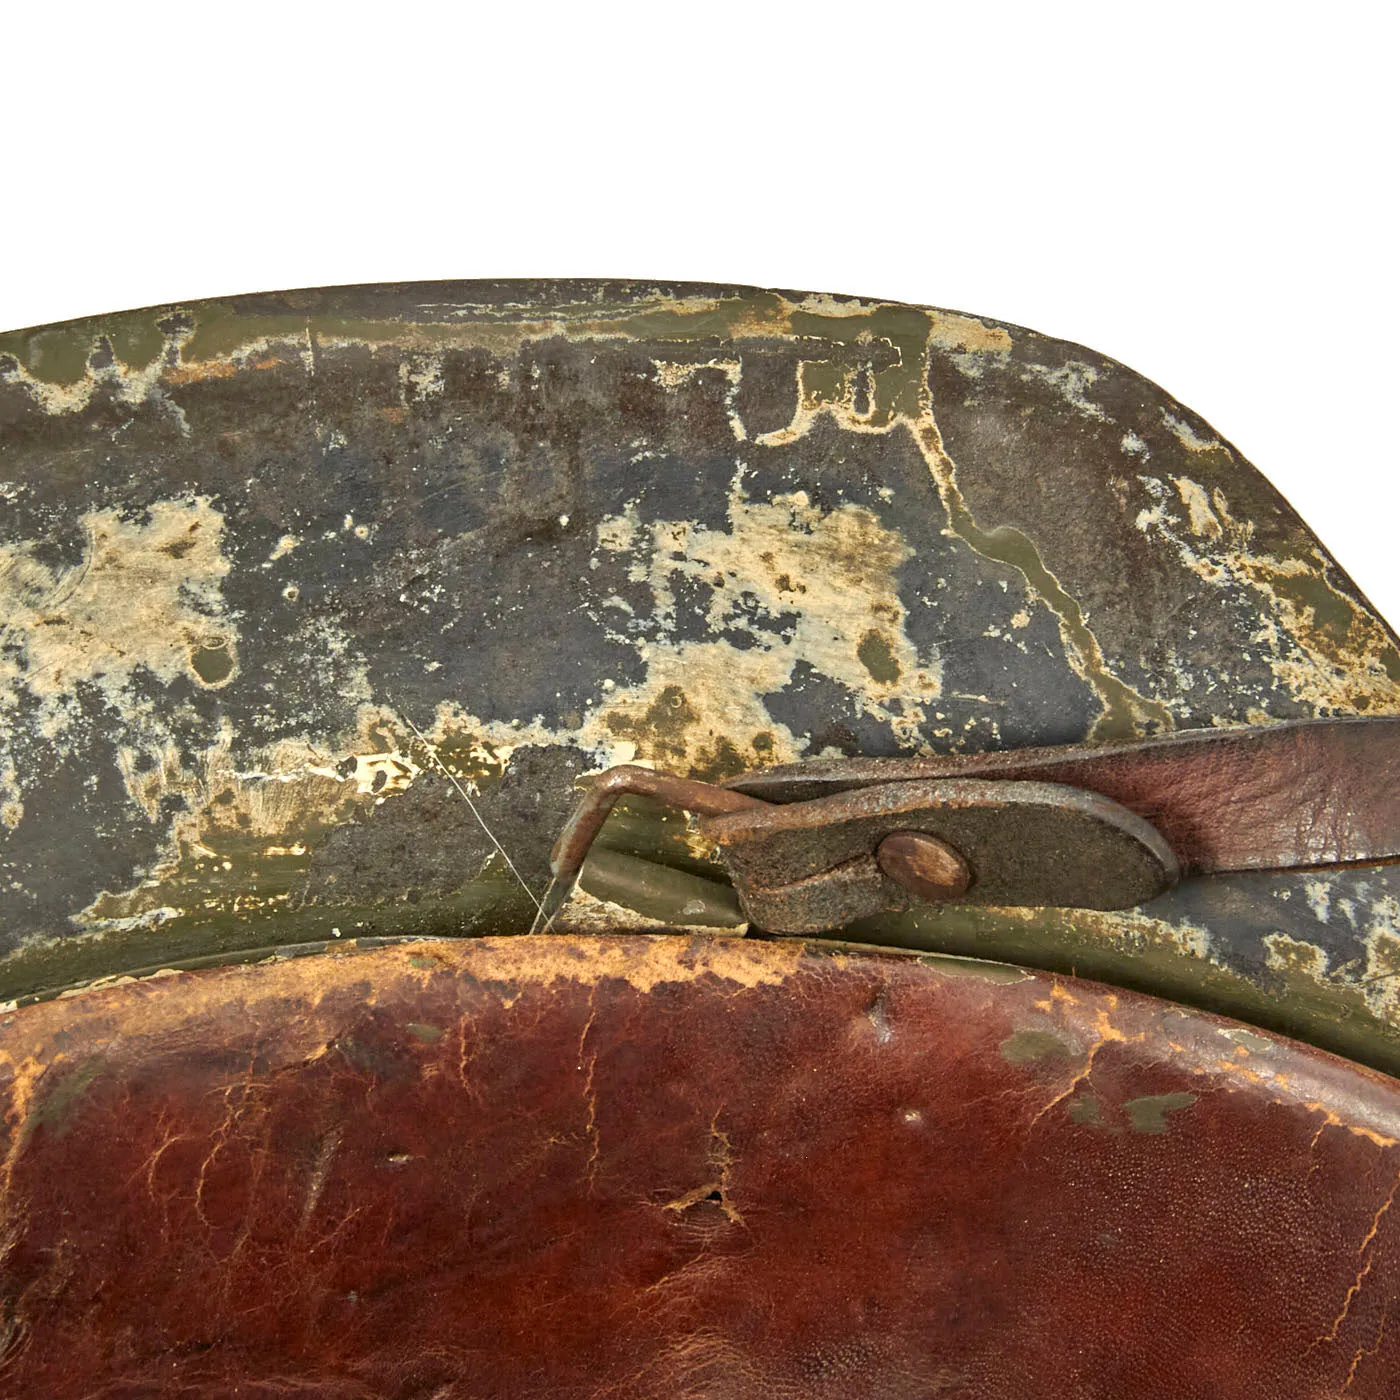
492, 904
1149, 1113
1027, 1046
900, 394
53, 356
877, 656
57, 1105
1125, 712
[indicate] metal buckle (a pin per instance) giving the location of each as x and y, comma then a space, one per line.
815, 865
1069, 827
805, 867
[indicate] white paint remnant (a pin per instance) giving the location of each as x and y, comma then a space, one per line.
618, 533
1286, 954
374, 774
1187, 436
421, 378
1201, 518
145, 596
1319, 896
824, 583
1072, 380
11, 797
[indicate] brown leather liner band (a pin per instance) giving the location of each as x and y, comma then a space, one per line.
551, 1169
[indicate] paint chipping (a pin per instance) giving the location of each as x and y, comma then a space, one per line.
1322, 645
674, 374
146, 595
800, 584
900, 397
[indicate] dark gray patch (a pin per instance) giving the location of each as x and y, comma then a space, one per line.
427, 842
826, 714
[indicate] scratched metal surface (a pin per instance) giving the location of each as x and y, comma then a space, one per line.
271, 567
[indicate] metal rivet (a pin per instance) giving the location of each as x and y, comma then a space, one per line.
923, 865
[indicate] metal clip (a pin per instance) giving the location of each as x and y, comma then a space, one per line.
805, 867
1105, 826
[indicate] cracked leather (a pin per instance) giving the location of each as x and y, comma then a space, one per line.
626, 1168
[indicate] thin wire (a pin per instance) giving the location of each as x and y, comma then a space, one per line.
481, 821
554, 898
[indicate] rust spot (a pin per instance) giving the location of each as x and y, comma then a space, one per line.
206, 369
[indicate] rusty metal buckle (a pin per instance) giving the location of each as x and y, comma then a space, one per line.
1104, 826
804, 867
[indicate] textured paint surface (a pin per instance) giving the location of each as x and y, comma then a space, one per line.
672, 1167
247, 546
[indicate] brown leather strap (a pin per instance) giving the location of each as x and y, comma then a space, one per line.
1286, 796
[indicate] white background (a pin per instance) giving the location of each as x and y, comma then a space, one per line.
1204, 191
